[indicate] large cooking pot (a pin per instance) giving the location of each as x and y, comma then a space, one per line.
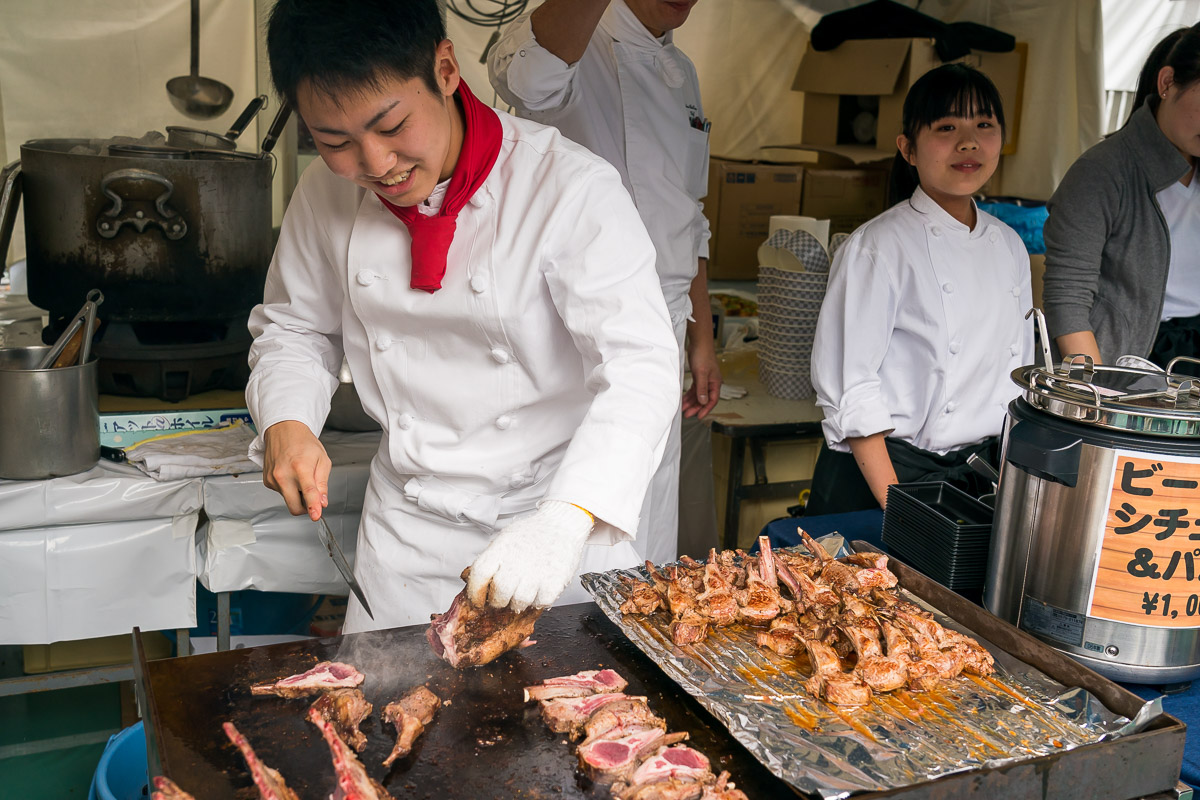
1096, 538
166, 234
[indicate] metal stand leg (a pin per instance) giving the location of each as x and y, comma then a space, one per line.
222, 621
183, 642
733, 494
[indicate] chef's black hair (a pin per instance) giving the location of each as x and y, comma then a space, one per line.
951, 90
341, 46
1179, 50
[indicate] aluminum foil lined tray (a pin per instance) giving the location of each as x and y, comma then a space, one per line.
900, 739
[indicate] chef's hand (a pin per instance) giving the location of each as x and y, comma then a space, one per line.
706, 379
295, 465
532, 560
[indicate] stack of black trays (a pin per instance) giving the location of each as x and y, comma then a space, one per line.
941, 531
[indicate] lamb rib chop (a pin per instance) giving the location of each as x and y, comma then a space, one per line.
608, 760
672, 772
581, 684
345, 709
616, 720
569, 714
410, 714
353, 782
324, 676
269, 782
167, 790
469, 636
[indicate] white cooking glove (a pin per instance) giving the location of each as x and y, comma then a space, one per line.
532, 560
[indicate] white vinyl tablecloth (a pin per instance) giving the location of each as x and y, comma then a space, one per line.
95, 554
251, 541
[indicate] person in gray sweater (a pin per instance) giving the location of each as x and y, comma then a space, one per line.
1123, 236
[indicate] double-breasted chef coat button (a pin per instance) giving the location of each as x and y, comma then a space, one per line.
1016, 290
500, 355
383, 342
404, 421
504, 421
478, 284
517, 480
951, 407
365, 277
948, 287
994, 236
955, 347
1014, 350
936, 231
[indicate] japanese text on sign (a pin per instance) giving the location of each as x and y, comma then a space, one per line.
1148, 570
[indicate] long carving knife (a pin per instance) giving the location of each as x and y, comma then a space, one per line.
339, 561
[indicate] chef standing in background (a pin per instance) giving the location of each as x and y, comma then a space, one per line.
608, 75
493, 291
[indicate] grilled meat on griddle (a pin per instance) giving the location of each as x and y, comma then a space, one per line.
723, 790
269, 782
469, 636
345, 709
410, 714
569, 714
581, 684
672, 772
619, 719
323, 677
860, 636
353, 782
167, 790
609, 760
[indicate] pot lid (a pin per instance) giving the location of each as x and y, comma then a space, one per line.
1133, 399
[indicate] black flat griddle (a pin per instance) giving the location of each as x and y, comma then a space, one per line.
485, 743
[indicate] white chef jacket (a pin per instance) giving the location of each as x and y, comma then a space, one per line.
635, 101
921, 326
544, 368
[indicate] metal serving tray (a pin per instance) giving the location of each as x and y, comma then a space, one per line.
1130, 766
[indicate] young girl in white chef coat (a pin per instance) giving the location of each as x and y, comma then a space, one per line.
923, 319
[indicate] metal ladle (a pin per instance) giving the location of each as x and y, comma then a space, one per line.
197, 97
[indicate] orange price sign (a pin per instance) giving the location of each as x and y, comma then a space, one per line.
1148, 570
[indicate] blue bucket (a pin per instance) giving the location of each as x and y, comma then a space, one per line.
121, 774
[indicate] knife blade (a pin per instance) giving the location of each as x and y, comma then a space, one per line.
339, 561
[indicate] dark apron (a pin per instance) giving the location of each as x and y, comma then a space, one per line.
838, 484
1177, 337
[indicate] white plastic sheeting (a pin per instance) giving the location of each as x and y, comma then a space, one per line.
1132, 28
251, 541
95, 554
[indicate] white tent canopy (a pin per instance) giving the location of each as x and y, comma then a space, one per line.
98, 68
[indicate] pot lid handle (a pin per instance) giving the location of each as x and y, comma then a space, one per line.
1043, 337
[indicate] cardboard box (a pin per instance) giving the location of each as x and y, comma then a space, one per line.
845, 197
742, 198
861, 79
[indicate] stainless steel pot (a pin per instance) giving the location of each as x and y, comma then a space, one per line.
166, 236
1054, 528
51, 417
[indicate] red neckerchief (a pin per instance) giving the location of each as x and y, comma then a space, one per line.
431, 236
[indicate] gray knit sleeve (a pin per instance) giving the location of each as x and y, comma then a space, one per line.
1082, 215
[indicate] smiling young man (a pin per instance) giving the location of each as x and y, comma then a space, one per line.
494, 293
608, 75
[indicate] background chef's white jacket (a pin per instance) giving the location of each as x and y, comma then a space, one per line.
545, 367
630, 99
921, 325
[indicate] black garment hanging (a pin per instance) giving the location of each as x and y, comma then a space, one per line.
887, 19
